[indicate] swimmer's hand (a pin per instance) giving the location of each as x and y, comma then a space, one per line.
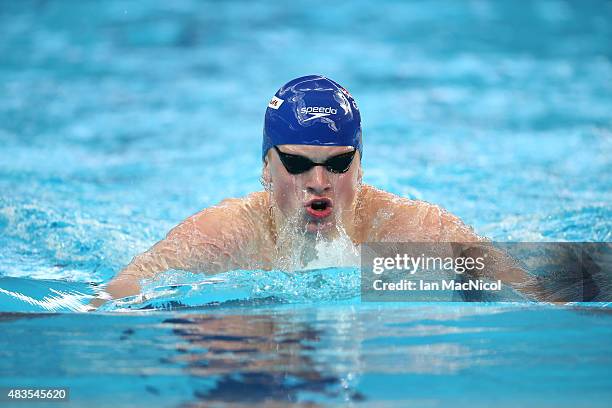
123, 285
96, 302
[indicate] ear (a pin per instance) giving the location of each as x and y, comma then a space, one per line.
359, 174
265, 174
360, 169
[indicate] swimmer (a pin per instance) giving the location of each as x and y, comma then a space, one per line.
313, 192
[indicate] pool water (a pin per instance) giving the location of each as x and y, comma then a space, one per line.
119, 120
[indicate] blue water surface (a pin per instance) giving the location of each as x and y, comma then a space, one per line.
119, 119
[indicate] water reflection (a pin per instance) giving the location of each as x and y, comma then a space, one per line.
328, 354
258, 358
321, 355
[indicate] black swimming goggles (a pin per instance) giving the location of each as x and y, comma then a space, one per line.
296, 164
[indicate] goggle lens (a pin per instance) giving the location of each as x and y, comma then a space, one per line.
296, 164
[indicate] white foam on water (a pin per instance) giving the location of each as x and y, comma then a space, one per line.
337, 252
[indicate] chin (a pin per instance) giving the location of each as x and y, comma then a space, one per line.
325, 227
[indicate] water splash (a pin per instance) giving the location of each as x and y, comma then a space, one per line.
28, 295
180, 289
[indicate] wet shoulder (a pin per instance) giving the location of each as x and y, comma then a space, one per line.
384, 213
229, 235
246, 215
395, 218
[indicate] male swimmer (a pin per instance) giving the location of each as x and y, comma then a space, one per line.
312, 174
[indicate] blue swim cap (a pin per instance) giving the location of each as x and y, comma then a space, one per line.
312, 110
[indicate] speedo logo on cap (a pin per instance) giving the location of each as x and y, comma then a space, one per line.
317, 112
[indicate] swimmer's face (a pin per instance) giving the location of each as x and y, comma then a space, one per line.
318, 199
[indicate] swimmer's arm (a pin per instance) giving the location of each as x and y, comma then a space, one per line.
149, 264
500, 266
201, 243
419, 221
146, 265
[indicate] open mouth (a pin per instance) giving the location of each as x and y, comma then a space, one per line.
319, 207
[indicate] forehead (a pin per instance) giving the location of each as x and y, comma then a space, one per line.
315, 152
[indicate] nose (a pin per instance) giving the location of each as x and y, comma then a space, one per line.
317, 181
